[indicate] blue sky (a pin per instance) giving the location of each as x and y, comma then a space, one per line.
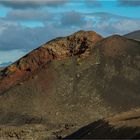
26, 24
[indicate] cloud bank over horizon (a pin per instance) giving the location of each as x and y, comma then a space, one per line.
26, 24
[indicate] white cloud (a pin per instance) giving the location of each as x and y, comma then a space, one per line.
108, 24
13, 55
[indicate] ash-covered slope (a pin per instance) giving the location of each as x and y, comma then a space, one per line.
134, 35
122, 126
81, 75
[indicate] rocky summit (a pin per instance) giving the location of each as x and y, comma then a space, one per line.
68, 83
61, 48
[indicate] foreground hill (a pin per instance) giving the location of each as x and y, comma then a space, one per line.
134, 35
79, 75
122, 126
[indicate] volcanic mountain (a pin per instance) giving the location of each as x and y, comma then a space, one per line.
70, 82
134, 35
57, 49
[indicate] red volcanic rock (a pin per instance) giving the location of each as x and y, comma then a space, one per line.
78, 44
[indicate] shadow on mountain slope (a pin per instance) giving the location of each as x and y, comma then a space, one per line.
122, 126
102, 130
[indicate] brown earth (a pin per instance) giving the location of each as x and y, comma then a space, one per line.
70, 81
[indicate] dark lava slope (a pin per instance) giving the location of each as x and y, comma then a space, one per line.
121, 126
73, 80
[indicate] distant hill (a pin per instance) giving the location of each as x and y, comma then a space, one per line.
134, 35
